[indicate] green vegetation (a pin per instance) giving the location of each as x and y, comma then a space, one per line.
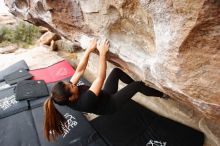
23, 35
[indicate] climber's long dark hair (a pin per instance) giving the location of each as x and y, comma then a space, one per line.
54, 121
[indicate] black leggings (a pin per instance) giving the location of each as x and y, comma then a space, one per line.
118, 98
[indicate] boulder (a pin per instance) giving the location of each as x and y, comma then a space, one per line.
172, 45
7, 20
47, 37
43, 29
67, 45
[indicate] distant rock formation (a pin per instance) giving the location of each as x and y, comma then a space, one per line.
7, 20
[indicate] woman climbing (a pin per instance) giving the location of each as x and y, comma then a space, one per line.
92, 99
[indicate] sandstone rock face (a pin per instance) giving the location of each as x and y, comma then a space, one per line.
172, 44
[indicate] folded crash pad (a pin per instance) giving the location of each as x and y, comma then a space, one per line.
56, 72
79, 132
18, 75
12, 68
8, 104
14, 77
29, 89
39, 101
18, 130
135, 125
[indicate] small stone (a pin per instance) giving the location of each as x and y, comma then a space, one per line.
8, 49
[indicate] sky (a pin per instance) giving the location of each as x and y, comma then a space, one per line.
3, 8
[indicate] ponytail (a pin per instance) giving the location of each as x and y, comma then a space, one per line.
54, 121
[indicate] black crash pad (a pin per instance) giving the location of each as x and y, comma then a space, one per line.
18, 75
8, 104
13, 78
29, 89
12, 68
39, 101
18, 130
79, 132
135, 125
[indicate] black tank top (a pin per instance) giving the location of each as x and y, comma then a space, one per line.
89, 102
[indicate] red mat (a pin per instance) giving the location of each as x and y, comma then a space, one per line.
56, 72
